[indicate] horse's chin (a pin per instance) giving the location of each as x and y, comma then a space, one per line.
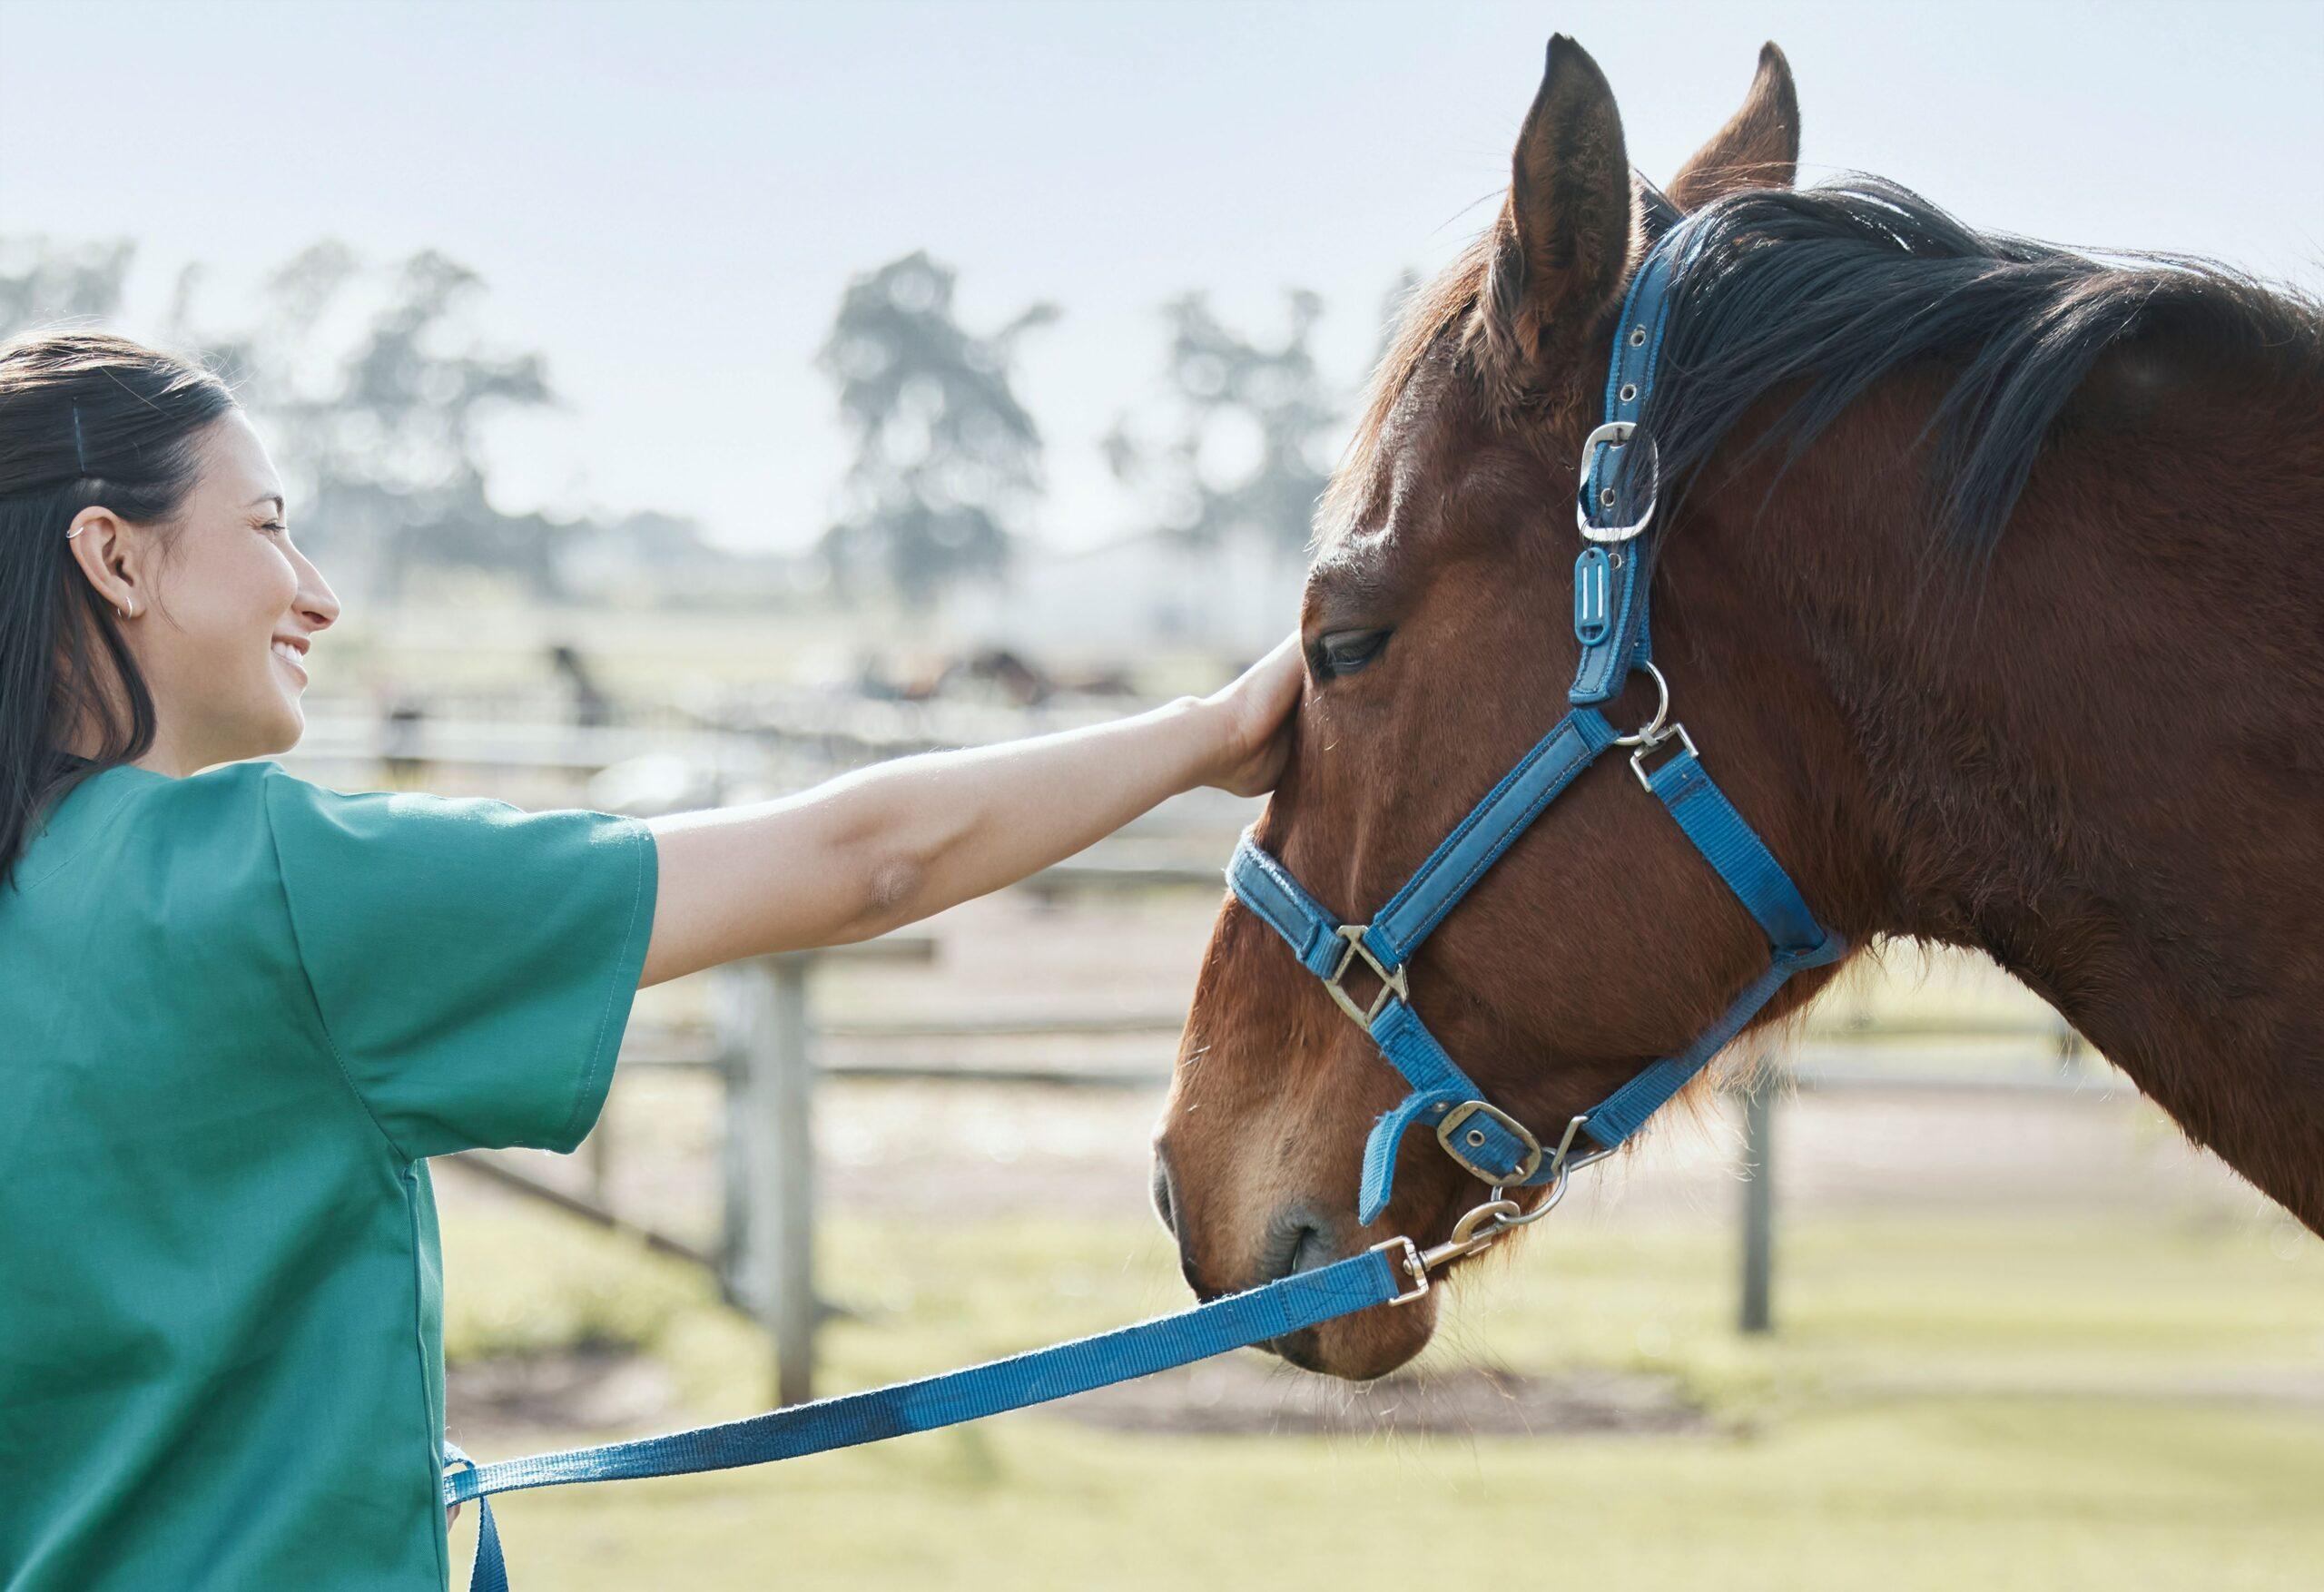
1368, 1344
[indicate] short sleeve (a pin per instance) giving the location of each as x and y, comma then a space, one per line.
474, 964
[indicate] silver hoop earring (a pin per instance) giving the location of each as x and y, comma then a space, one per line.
122, 611
75, 531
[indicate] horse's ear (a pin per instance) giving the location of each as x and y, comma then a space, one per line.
1758, 148
1565, 237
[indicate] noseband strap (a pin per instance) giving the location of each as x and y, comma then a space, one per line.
1615, 504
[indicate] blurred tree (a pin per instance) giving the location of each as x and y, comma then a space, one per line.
41, 281
1246, 455
368, 402
383, 427
944, 451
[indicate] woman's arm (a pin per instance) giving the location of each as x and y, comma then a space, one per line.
873, 851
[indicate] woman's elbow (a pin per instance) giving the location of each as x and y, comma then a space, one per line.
893, 890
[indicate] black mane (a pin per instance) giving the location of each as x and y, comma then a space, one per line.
1839, 284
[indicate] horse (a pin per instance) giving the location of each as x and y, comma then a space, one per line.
1978, 581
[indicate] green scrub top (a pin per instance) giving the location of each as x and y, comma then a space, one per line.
238, 1012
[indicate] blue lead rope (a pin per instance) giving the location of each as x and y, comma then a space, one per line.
1238, 1321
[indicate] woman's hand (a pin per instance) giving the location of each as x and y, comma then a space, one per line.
1255, 713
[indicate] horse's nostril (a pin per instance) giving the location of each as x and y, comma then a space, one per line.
1296, 1241
1165, 1206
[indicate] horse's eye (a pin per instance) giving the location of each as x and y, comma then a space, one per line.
1344, 652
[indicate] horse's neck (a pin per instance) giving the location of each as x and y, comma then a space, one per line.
2101, 759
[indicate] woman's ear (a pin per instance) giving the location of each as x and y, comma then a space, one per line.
111, 558
1566, 235
1758, 148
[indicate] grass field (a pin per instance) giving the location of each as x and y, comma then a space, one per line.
2003, 1403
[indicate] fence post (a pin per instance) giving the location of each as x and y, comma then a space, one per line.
1757, 1314
732, 989
778, 1172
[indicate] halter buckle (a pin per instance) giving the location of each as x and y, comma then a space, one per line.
1393, 983
1615, 434
1474, 1138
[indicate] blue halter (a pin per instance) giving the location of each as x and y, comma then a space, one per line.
1610, 587
1611, 581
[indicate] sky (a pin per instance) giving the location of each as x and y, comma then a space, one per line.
667, 200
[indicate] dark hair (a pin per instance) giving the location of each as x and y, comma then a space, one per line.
86, 417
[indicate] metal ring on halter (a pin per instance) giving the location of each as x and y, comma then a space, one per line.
1503, 1214
1563, 1157
1616, 433
1466, 1237
1652, 734
1564, 1164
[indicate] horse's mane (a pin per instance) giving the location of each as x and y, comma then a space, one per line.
1836, 285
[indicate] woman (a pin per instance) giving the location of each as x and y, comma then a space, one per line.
238, 1011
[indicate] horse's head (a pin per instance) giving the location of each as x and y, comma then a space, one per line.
1437, 620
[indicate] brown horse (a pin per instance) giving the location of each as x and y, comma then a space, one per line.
2022, 655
